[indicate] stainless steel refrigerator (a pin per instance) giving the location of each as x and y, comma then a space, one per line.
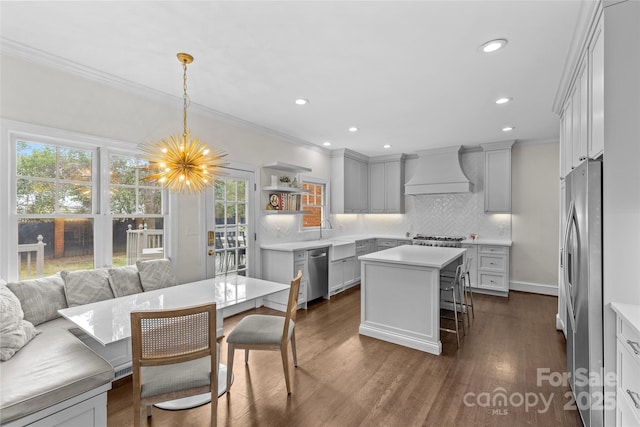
582, 265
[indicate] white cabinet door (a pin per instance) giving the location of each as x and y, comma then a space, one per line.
336, 276
575, 126
596, 72
497, 194
377, 188
349, 270
386, 181
583, 135
567, 148
363, 187
351, 181
394, 195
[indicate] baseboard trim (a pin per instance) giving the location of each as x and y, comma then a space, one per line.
534, 288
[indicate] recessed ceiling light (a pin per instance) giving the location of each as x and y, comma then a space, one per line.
326, 143
353, 129
503, 100
493, 45
508, 129
302, 101
386, 146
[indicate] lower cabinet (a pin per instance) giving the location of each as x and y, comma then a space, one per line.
341, 274
627, 365
472, 255
489, 268
272, 269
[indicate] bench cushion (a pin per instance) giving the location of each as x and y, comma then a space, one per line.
51, 368
15, 332
156, 274
86, 286
125, 281
40, 298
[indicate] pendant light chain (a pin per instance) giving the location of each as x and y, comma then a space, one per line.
185, 99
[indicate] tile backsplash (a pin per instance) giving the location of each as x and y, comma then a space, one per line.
441, 214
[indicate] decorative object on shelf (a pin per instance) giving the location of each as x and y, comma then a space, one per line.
274, 180
274, 202
284, 181
294, 183
183, 164
284, 202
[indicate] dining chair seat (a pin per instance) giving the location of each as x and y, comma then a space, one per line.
259, 329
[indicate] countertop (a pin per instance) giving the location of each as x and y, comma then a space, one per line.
629, 312
313, 244
421, 256
323, 243
498, 242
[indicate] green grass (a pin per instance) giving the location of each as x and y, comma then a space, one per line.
55, 265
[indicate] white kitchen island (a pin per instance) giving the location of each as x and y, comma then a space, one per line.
400, 294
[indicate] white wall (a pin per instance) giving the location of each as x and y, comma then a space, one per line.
534, 209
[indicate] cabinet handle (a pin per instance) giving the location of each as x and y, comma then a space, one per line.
492, 263
634, 346
635, 397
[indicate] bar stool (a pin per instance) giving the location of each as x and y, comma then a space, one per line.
451, 287
466, 278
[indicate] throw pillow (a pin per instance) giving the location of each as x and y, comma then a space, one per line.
15, 332
125, 281
156, 274
40, 298
86, 286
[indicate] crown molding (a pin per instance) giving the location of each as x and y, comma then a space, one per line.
40, 57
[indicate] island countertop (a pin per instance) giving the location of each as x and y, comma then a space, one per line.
423, 256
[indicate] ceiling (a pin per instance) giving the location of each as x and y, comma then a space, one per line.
406, 73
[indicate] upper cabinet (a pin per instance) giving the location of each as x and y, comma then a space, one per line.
596, 91
582, 113
386, 179
349, 182
497, 177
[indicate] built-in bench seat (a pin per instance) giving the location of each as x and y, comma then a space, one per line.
52, 373
55, 378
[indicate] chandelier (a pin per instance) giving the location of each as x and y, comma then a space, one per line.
183, 164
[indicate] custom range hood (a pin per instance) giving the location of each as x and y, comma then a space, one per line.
438, 171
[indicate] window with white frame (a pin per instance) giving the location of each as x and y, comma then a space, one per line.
68, 216
313, 202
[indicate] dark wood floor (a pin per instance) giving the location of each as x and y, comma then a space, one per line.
345, 379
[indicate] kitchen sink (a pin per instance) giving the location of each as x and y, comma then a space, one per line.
342, 249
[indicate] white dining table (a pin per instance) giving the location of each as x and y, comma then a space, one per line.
108, 321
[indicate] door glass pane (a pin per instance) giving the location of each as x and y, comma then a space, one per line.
230, 218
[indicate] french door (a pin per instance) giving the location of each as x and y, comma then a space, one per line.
230, 224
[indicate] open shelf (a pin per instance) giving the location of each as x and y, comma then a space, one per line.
277, 212
285, 189
286, 167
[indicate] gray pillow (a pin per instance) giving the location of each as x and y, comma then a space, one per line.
15, 332
40, 298
156, 274
125, 281
86, 286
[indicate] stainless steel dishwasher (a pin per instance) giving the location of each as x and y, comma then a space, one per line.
318, 273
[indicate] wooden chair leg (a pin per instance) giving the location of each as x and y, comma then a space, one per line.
230, 352
285, 365
293, 348
246, 355
137, 413
149, 411
214, 403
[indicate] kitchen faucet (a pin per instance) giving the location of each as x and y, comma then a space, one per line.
329, 228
